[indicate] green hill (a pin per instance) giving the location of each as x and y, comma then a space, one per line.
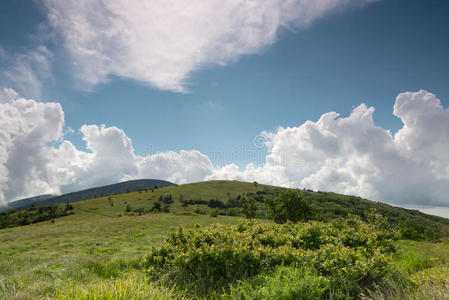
202, 197
225, 197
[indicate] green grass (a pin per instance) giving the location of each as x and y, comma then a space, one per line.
78, 250
133, 287
97, 250
285, 283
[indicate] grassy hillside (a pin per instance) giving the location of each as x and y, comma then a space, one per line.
225, 197
98, 249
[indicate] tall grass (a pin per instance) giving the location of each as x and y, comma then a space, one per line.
285, 283
133, 288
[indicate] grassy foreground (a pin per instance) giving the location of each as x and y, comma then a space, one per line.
98, 252
81, 251
97, 257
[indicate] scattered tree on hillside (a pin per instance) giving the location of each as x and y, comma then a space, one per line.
214, 203
68, 206
168, 199
289, 206
156, 207
249, 207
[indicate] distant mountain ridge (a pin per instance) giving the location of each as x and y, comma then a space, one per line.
27, 202
117, 188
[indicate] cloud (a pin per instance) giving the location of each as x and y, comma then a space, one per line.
162, 42
25, 128
36, 159
352, 155
26, 71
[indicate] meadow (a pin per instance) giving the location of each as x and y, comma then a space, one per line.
103, 251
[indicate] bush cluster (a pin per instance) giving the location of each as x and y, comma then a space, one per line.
349, 253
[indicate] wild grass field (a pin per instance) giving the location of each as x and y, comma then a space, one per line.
80, 250
101, 252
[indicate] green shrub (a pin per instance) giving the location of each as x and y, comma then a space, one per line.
351, 254
249, 207
213, 213
233, 212
410, 230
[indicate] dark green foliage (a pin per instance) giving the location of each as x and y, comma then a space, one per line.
214, 203
167, 199
166, 208
33, 215
156, 207
410, 230
249, 207
199, 211
290, 206
234, 202
128, 208
351, 254
68, 207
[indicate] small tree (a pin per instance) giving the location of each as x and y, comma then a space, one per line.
289, 206
249, 207
156, 207
68, 206
128, 208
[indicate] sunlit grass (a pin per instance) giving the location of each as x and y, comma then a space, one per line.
133, 287
42, 259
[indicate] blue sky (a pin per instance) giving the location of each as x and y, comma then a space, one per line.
346, 56
363, 55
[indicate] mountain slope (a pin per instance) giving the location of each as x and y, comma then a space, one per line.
225, 197
27, 202
202, 197
117, 188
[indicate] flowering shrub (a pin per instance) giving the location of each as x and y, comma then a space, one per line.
351, 254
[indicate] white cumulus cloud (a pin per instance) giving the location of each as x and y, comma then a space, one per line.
353, 155
161, 42
350, 155
36, 159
